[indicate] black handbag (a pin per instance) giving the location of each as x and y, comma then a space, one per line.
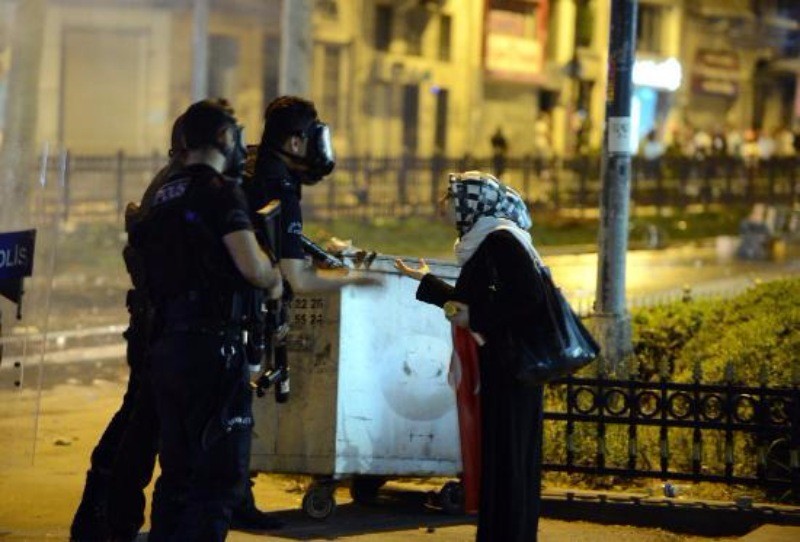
559, 346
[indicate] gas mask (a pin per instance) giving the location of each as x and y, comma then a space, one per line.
319, 159
236, 154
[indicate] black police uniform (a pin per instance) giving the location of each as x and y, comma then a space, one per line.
271, 180
122, 462
199, 373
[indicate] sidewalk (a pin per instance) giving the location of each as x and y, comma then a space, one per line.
37, 499
773, 533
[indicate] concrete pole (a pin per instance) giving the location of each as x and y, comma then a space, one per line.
200, 50
296, 48
18, 153
563, 52
612, 319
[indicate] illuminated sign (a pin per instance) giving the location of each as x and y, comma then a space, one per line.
716, 72
511, 53
659, 74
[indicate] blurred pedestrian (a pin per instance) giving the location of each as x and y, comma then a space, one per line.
701, 144
751, 154
733, 141
766, 146
652, 152
499, 151
496, 300
784, 143
542, 144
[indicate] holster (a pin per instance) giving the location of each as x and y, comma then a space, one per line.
232, 412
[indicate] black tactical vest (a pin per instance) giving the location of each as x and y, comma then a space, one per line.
180, 253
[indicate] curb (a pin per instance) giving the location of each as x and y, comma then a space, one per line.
704, 518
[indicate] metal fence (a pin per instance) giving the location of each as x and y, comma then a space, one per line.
98, 187
724, 432
644, 424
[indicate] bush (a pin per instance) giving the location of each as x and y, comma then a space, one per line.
750, 340
661, 333
757, 334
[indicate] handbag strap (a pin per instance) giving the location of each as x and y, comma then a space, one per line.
538, 265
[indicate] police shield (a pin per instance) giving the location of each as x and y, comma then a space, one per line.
27, 258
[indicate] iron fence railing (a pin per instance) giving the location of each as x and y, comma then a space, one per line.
369, 187
726, 432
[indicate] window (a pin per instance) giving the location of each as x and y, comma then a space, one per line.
410, 118
584, 23
331, 81
521, 6
383, 27
271, 56
223, 63
415, 20
445, 37
440, 135
648, 29
328, 8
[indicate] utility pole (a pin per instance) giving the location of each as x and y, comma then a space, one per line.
296, 48
18, 152
200, 50
611, 316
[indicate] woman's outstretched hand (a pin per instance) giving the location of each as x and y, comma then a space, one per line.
415, 274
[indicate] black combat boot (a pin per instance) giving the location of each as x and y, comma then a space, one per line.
90, 523
246, 517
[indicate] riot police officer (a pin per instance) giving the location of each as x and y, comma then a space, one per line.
113, 501
295, 151
202, 260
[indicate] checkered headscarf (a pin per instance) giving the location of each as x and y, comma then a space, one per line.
478, 194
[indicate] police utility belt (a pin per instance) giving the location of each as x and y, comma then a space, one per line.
203, 313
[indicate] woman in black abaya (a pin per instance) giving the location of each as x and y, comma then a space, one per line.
497, 294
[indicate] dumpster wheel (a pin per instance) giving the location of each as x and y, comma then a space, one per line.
451, 498
318, 502
364, 489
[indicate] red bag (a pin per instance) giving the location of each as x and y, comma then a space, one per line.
469, 416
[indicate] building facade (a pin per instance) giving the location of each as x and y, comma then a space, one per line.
742, 60
414, 77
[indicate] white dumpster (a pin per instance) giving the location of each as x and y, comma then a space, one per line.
369, 393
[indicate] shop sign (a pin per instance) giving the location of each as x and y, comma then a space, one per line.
716, 72
510, 54
664, 74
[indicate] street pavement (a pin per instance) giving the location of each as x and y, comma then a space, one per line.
49, 424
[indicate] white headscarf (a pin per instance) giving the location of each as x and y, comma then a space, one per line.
483, 205
468, 243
